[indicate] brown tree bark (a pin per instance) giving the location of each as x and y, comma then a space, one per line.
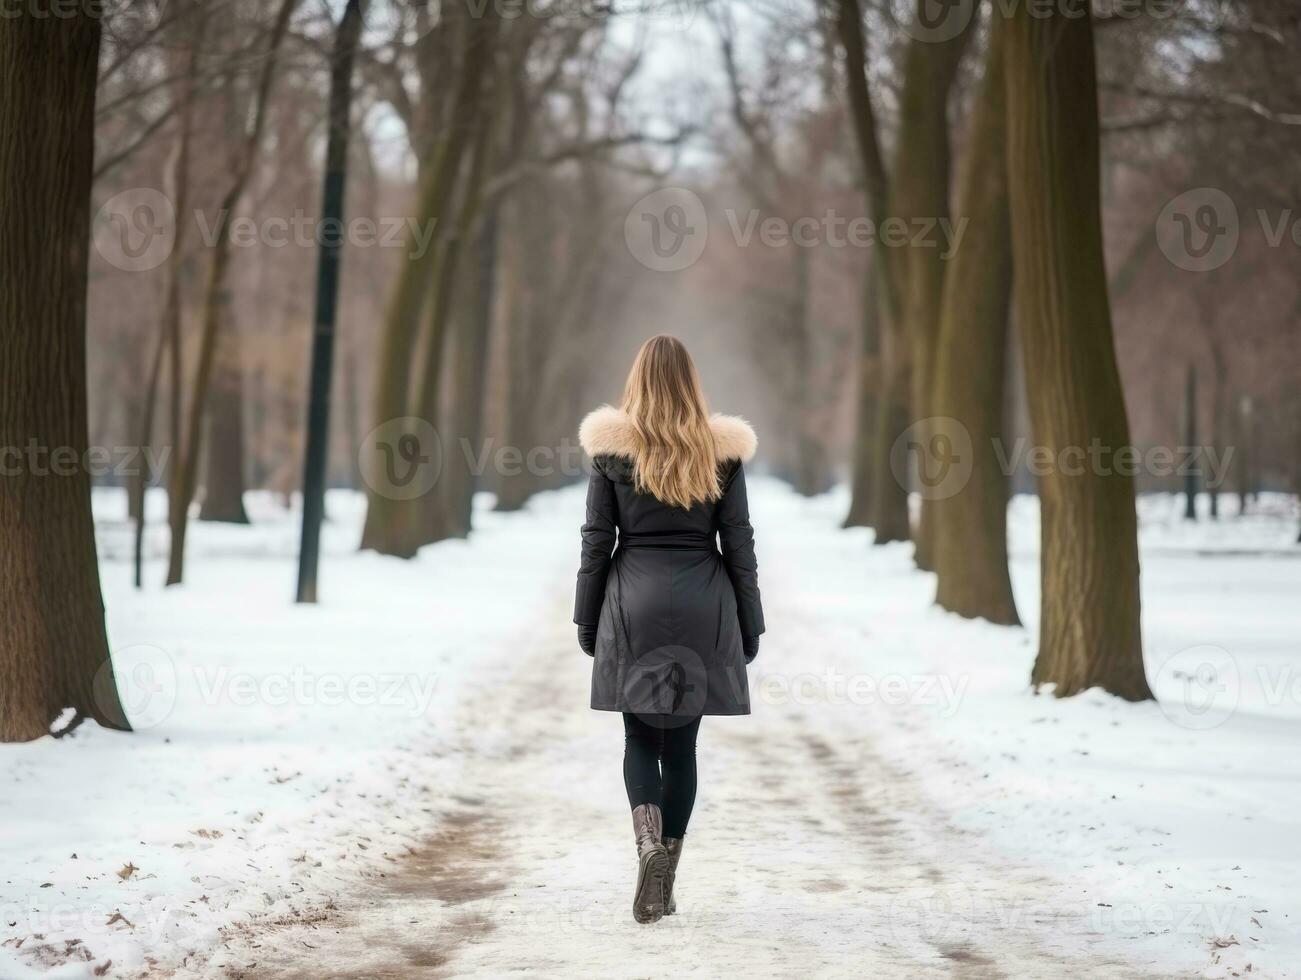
388, 528
470, 366
921, 190
863, 459
878, 498
521, 295
185, 474
223, 478
970, 526
890, 519
812, 473
1089, 632
1190, 440
53, 645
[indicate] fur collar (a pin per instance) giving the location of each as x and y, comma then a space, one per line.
609, 432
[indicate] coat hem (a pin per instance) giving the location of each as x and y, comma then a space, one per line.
713, 714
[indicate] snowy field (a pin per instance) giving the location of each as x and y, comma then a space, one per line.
405, 781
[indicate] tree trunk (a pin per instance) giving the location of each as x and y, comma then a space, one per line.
186, 471
514, 485
53, 644
387, 529
1244, 459
224, 481
877, 498
138, 482
921, 190
1190, 440
1219, 383
890, 518
190, 37
470, 362
869, 366
812, 474
1089, 633
970, 521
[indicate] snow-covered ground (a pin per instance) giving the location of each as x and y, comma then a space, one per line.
405, 781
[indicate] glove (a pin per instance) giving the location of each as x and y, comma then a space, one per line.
750, 645
587, 639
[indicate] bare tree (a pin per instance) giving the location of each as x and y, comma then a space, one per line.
186, 471
391, 524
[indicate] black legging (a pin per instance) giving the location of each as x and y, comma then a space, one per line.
659, 766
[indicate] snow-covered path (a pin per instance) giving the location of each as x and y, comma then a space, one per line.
809, 854
406, 782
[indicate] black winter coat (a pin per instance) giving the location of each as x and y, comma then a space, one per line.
673, 600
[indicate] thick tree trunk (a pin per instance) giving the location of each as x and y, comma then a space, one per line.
970, 529
878, 399
470, 363
921, 191
388, 528
53, 645
522, 292
186, 471
223, 479
1089, 634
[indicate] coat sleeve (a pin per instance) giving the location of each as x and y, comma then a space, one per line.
736, 542
598, 546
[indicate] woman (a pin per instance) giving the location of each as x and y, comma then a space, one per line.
671, 617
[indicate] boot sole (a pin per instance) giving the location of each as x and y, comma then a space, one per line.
648, 900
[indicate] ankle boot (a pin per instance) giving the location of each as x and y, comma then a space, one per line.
673, 845
652, 864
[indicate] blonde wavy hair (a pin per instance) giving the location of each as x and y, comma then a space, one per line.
675, 459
